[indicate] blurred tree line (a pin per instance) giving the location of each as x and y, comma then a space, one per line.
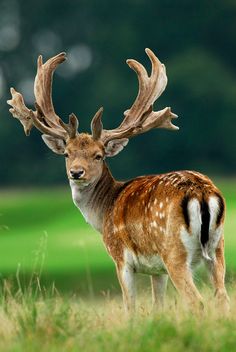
195, 40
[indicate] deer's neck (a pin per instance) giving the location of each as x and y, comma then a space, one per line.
95, 199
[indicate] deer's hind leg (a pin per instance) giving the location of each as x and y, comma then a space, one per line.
178, 268
159, 284
182, 279
217, 271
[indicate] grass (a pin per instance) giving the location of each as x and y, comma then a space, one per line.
60, 292
55, 323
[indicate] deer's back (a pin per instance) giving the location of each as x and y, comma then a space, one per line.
150, 212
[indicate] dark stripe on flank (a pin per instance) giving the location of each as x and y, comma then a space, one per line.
221, 209
205, 222
184, 205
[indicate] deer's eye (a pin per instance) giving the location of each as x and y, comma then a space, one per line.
98, 157
66, 155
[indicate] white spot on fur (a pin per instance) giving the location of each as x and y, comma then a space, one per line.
161, 205
174, 180
155, 201
157, 214
154, 247
154, 224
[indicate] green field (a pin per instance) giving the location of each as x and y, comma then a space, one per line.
60, 292
42, 231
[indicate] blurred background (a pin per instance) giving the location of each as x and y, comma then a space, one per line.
39, 226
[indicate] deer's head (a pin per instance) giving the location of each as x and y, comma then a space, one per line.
85, 153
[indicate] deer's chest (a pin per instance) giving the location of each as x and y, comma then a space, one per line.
82, 202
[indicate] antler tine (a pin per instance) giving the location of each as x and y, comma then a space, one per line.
43, 95
96, 124
143, 86
43, 88
41, 124
141, 117
72, 127
20, 111
44, 118
158, 74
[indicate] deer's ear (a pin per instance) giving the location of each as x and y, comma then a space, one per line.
115, 146
55, 144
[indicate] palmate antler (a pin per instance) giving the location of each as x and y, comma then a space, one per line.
44, 117
140, 117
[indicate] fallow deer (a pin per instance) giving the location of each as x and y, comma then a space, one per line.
161, 225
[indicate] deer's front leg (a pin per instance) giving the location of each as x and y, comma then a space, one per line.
126, 278
159, 284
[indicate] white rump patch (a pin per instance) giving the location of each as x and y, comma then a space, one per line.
192, 239
195, 224
194, 212
192, 245
215, 233
214, 210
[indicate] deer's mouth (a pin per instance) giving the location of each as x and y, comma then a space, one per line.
77, 179
80, 181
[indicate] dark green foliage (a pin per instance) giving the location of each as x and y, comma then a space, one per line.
196, 41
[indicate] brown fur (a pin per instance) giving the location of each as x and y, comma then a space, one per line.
136, 207
145, 216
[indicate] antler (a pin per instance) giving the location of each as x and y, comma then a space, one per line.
44, 118
140, 117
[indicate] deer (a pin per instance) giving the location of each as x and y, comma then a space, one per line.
161, 225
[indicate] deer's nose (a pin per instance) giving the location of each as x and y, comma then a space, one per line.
77, 174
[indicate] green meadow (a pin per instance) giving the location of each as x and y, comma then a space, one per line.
59, 290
